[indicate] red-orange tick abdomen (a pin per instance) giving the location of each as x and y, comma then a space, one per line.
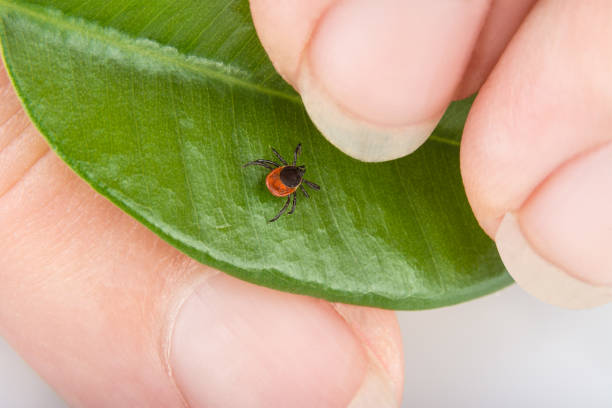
276, 185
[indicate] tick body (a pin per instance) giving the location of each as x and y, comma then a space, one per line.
284, 180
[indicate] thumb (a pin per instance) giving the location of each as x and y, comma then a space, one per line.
375, 77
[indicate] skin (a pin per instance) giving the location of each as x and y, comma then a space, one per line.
97, 304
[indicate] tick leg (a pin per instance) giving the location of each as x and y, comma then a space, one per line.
268, 164
279, 156
312, 185
297, 152
282, 210
293, 205
304, 191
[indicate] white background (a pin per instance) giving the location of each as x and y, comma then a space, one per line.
503, 350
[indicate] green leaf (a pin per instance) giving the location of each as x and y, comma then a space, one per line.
158, 103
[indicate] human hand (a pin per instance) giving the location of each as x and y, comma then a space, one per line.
112, 316
92, 300
536, 156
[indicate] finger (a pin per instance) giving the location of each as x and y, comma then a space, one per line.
503, 19
537, 146
375, 77
110, 315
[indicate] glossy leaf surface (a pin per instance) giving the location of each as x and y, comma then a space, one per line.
158, 103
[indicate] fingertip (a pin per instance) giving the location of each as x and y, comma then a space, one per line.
355, 136
393, 62
535, 145
282, 349
540, 277
375, 77
567, 218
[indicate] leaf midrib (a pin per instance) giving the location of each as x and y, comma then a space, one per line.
155, 50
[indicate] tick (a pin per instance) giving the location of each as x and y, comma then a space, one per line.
283, 181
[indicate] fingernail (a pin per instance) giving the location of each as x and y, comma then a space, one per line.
356, 136
372, 78
238, 345
568, 218
559, 248
541, 278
